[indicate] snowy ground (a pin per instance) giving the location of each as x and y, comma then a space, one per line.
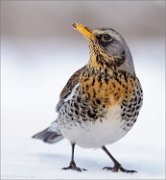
32, 75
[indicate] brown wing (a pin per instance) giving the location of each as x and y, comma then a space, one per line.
69, 86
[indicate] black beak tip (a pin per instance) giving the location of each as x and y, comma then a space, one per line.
74, 25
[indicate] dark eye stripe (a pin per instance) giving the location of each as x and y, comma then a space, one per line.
105, 39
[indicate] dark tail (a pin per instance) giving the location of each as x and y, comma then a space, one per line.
48, 137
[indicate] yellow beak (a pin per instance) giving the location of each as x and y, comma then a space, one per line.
84, 30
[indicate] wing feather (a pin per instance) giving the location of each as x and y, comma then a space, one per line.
66, 91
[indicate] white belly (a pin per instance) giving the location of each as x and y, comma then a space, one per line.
96, 134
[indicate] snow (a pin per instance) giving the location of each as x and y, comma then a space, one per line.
32, 76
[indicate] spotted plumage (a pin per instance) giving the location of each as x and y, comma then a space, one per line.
101, 101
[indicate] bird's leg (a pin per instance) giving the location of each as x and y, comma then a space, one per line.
117, 166
72, 164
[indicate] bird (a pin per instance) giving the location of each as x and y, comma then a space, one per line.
101, 101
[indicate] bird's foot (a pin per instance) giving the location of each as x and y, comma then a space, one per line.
119, 168
73, 166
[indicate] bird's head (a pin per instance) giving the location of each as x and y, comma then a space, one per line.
107, 48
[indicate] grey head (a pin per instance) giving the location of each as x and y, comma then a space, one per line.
115, 45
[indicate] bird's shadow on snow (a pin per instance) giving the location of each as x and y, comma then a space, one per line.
58, 161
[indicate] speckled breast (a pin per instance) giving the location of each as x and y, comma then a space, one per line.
79, 108
91, 119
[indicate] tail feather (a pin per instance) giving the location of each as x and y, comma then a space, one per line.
48, 137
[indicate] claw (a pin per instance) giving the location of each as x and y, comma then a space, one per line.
73, 166
118, 169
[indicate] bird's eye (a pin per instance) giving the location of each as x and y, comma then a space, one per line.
106, 37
